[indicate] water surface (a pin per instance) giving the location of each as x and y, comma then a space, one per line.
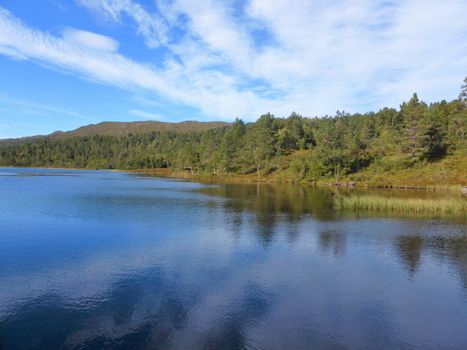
106, 260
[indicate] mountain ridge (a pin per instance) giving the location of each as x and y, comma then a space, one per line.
112, 128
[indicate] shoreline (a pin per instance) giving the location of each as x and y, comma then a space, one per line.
347, 197
249, 179
253, 179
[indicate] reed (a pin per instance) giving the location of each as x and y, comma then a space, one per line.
453, 205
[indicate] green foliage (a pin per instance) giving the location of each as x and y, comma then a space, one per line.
463, 93
305, 149
415, 138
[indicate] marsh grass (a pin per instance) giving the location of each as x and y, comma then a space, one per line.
454, 205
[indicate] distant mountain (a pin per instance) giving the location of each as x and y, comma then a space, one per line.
125, 128
20, 141
122, 129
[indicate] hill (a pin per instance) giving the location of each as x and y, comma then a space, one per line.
126, 128
121, 129
419, 144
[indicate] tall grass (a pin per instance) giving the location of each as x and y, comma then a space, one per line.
457, 206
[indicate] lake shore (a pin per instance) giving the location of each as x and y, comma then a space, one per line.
347, 196
274, 179
381, 181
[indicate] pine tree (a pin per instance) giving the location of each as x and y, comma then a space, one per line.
415, 141
463, 93
260, 144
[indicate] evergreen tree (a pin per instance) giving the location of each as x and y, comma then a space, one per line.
415, 141
307, 148
463, 93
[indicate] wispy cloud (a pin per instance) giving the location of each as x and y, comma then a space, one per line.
321, 56
214, 93
90, 40
146, 115
150, 25
37, 108
229, 60
330, 53
58, 4
18, 40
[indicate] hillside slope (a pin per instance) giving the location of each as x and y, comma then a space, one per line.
417, 145
122, 129
125, 128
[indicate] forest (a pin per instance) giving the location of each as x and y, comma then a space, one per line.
299, 148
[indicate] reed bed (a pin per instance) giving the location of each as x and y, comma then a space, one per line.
457, 206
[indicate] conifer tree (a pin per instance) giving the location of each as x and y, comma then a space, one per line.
463, 93
415, 141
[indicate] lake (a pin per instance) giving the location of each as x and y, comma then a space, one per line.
108, 260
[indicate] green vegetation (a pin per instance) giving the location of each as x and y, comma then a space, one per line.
126, 128
418, 144
357, 203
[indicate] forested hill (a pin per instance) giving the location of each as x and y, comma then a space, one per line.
123, 129
416, 136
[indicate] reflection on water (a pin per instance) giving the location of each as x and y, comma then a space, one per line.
332, 241
103, 260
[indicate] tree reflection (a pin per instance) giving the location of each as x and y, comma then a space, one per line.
293, 202
410, 252
454, 250
331, 240
451, 249
274, 204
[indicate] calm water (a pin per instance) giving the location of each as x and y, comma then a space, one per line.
103, 260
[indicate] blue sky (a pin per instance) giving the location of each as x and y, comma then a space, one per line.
64, 64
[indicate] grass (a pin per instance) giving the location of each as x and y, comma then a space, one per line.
446, 174
453, 205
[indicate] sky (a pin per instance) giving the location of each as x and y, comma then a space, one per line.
68, 63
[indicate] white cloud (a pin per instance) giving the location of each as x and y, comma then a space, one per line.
317, 57
150, 25
327, 55
90, 40
146, 115
214, 93
108, 67
38, 108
